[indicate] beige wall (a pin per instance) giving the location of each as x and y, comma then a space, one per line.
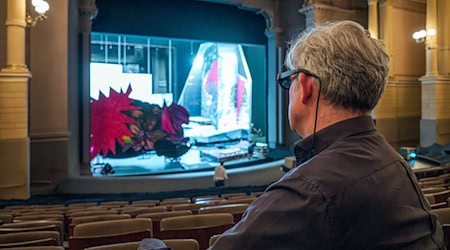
48, 129
399, 110
409, 55
2, 33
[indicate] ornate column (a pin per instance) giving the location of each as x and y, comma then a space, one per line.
87, 12
14, 141
444, 37
385, 113
15, 36
431, 43
373, 17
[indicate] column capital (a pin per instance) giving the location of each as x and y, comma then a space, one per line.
87, 8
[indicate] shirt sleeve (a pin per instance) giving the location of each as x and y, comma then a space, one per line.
289, 215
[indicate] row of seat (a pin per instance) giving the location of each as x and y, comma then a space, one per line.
436, 190
61, 221
199, 227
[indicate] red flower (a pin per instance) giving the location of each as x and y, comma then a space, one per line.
108, 122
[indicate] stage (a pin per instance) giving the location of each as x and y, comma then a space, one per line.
251, 175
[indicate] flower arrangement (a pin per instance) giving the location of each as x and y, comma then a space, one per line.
123, 127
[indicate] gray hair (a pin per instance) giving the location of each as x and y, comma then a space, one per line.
353, 66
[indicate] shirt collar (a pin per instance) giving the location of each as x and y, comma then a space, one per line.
326, 136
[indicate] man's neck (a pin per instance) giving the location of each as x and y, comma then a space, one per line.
327, 116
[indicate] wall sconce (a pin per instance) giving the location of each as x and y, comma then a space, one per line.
423, 35
40, 7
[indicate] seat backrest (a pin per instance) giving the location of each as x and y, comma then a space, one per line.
190, 206
72, 210
213, 239
54, 237
235, 209
182, 244
93, 218
82, 204
430, 198
6, 217
175, 201
99, 228
147, 203
114, 203
40, 225
443, 215
196, 221
429, 190
229, 195
441, 196
432, 183
199, 227
7, 230
157, 217
39, 242
237, 197
43, 216
91, 213
160, 215
133, 212
83, 242
239, 201
118, 246
206, 197
102, 217
38, 248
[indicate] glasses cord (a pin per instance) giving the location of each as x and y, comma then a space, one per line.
315, 124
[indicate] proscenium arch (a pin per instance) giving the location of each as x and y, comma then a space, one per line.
156, 18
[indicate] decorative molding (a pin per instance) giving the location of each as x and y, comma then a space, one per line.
49, 136
325, 8
88, 8
435, 79
261, 7
411, 5
412, 82
417, 6
306, 9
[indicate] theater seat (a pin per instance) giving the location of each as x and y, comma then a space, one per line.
157, 217
235, 209
109, 232
38, 248
118, 246
175, 244
182, 244
199, 227
35, 238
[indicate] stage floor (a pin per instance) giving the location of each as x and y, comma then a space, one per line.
150, 164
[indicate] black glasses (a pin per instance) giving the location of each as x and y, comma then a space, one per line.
284, 78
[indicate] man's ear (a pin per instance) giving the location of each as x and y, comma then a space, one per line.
306, 86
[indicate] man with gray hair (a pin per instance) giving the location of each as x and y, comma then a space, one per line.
350, 189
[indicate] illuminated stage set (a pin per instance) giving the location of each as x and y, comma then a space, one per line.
135, 131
